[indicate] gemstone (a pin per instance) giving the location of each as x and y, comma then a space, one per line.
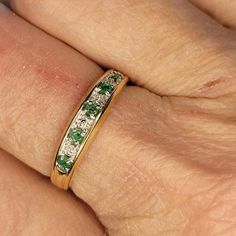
115, 77
76, 136
99, 99
63, 162
82, 122
91, 109
105, 87
68, 148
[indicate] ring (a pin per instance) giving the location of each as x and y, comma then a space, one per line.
85, 123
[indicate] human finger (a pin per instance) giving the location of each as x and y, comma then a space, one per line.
222, 11
169, 47
46, 89
43, 78
30, 205
146, 143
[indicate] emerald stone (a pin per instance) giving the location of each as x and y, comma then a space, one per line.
76, 136
91, 109
105, 87
63, 162
115, 77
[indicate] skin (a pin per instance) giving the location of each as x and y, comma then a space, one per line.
223, 12
173, 132
31, 206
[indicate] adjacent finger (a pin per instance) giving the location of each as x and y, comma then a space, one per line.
222, 11
30, 205
146, 143
169, 47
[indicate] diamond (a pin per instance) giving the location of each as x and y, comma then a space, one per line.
84, 123
98, 98
115, 77
69, 149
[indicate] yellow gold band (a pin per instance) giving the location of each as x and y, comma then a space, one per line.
85, 123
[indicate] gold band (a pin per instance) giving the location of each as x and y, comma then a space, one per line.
84, 125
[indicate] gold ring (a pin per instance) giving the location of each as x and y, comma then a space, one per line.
85, 123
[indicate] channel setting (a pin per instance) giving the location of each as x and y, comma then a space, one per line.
83, 124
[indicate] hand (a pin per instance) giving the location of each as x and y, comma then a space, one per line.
161, 165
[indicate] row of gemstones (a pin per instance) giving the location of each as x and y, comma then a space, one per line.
84, 120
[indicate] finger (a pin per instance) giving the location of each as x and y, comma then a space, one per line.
30, 205
41, 82
136, 153
39, 90
169, 47
45, 93
222, 11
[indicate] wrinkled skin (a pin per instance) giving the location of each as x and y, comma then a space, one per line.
164, 162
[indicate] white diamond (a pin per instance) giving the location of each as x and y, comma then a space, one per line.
74, 124
110, 80
68, 149
83, 122
99, 99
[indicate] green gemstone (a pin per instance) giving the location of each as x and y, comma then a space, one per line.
76, 136
105, 87
115, 77
62, 162
91, 109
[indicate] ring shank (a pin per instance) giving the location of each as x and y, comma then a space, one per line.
60, 178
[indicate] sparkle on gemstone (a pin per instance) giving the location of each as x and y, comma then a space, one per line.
91, 109
63, 162
76, 136
98, 98
115, 77
82, 123
68, 148
105, 87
